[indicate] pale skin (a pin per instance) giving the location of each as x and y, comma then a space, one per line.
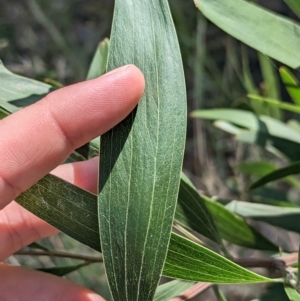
34, 142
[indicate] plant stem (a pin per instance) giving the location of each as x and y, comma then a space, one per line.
90, 259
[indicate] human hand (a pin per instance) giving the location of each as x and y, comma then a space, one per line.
33, 142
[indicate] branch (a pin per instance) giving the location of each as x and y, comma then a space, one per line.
90, 259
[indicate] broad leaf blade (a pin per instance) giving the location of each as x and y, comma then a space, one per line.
141, 158
278, 174
190, 261
255, 26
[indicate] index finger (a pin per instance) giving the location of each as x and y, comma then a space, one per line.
36, 139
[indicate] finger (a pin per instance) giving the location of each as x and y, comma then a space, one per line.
19, 227
17, 283
38, 138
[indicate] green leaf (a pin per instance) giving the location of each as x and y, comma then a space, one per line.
248, 81
99, 62
190, 261
68, 208
283, 217
255, 26
276, 103
263, 168
62, 271
278, 174
58, 208
292, 294
18, 91
192, 212
261, 124
3, 113
265, 131
256, 168
171, 289
280, 147
270, 80
292, 84
220, 296
141, 158
235, 229
294, 5
270, 85
213, 220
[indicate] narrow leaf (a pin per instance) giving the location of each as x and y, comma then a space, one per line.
283, 217
84, 227
97, 68
192, 212
270, 79
292, 294
18, 91
171, 289
270, 85
255, 26
294, 5
214, 221
259, 168
292, 84
141, 157
235, 229
261, 124
68, 208
263, 168
187, 260
276, 103
220, 296
277, 137
278, 174
99, 62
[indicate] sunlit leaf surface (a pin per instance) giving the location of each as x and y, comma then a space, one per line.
190, 261
255, 26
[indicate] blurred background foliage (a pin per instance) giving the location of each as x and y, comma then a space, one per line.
54, 41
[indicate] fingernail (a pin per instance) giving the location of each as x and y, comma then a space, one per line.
118, 70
